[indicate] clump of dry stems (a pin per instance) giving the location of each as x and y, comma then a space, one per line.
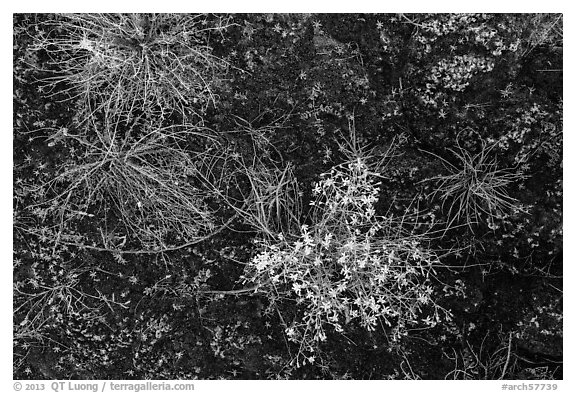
475, 188
129, 64
144, 181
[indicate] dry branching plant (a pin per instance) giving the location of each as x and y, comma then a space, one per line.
266, 194
40, 301
272, 202
480, 363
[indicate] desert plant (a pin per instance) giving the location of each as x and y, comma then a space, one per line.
145, 183
349, 265
475, 188
129, 64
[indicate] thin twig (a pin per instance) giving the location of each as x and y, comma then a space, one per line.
508, 356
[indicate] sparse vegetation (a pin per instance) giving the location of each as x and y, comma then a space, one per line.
373, 196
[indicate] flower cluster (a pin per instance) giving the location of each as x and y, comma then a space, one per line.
533, 133
453, 75
496, 34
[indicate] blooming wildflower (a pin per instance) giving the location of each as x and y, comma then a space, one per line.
327, 239
297, 288
261, 261
298, 245
345, 270
422, 298
320, 336
428, 321
290, 332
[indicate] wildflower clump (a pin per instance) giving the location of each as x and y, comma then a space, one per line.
350, 266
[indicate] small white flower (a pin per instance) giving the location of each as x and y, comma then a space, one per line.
298, 245
297, 288
327, 240
345, 270
317, 189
